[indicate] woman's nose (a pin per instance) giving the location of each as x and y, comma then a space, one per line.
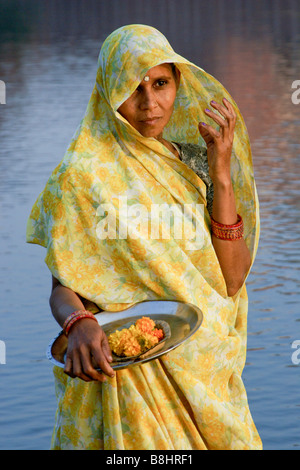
148, 100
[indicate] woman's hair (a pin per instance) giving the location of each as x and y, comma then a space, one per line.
175, 72
174, 69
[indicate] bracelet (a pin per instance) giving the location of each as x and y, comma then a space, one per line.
74, 317
228, 232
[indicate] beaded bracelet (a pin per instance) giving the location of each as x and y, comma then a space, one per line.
228, 232
74, 317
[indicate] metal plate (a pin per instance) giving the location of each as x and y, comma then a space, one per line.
184, 320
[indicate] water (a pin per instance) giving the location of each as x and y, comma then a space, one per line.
48, 58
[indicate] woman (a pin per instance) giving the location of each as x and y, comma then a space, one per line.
140, 139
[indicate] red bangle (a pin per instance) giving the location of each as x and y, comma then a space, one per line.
74, 317
228, 232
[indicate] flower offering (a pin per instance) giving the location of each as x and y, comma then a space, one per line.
136, 339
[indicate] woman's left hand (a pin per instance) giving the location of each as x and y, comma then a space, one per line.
219, 142
234, 257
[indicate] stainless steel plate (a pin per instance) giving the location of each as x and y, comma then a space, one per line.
184, 320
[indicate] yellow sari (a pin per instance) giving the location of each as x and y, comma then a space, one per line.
192, 397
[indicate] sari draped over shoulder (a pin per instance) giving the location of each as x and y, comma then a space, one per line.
193, 397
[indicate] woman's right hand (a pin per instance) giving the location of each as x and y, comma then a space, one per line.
88, 349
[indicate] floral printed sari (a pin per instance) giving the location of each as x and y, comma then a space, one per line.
192, 397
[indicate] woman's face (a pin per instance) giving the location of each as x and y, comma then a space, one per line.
150, 107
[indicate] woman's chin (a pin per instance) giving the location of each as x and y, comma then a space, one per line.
150, 131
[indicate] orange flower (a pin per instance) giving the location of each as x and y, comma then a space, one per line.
145, 324
158, 333
138, 338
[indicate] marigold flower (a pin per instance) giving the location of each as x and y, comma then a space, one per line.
131, 347
136, 339
158, 333
147, 341
145, 324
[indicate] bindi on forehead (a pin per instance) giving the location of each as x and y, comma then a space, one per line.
160, 71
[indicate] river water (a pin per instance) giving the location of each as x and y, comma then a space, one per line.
48, 58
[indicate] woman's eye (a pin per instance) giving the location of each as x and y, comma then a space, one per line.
161, 82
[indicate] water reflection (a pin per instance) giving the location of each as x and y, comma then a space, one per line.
48, 54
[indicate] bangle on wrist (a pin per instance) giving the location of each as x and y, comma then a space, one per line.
74, 317
228, 232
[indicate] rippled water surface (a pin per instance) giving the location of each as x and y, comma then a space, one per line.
48, 58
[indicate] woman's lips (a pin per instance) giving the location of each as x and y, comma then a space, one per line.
150, 121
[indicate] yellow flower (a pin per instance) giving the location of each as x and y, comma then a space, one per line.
117, 184
59, 211
123, 343
147, 341
35, 213
72, 433
145, 200
58, 231
159, 290
103, 173
132, 347
82, 142
178, 268
138, 338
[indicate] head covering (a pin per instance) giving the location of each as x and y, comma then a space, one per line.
108, 160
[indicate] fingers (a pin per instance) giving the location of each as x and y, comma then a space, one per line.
84, 370
106, 349
226, 120
73, 368
209, 133
84, 365
88, 350
69, 367
90, 371
102, 356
